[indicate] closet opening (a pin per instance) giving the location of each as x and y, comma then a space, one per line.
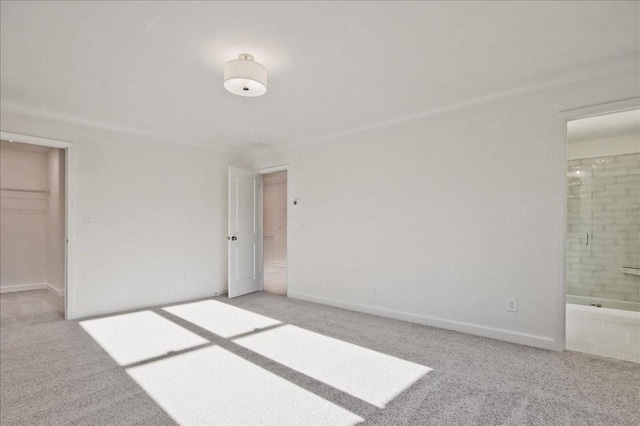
33, 232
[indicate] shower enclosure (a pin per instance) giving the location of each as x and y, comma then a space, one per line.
603, 235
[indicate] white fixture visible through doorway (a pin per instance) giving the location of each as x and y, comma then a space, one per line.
245, 77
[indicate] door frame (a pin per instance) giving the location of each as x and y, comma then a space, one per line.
69, 164
562, 118
266, 171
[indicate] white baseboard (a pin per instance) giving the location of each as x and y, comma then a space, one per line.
32, 286
23, 287
52, 289
478, 330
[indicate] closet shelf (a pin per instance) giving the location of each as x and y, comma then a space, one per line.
32, 191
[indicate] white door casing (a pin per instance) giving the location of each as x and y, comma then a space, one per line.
69, 190
244, 233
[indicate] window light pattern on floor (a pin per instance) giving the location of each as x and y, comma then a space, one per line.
196, 381
369, 375
214, 386
220, 318
130, 338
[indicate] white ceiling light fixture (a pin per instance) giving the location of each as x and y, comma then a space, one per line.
245, 77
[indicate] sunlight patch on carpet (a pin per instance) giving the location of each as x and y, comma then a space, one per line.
220, 318
214, 386
366, 374
135, 337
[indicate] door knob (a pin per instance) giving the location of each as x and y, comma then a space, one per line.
234, 238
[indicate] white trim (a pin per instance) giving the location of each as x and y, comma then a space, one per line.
478, 330
69, 307
52, 289
23, 287
590, 72
273, 169
33, 140
562, 118
261, 233
32, 286
70, 196
183, 139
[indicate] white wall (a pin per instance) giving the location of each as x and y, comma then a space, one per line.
436, 220
604, 147
441, 220
56, 220
159, 217
23, 218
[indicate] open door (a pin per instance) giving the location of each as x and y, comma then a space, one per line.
245, 247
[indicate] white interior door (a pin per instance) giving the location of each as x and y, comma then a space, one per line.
245, 247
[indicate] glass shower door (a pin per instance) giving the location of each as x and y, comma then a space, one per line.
581, 264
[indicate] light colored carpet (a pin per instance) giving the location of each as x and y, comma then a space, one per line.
53, 372
212, 385
30, 307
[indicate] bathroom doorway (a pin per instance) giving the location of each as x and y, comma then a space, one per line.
275, 232
603, 234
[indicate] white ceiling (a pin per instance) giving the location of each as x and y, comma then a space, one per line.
156, 67
604, 126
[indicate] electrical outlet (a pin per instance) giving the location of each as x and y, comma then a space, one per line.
513, 305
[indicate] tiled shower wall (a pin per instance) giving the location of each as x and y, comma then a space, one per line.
604, 201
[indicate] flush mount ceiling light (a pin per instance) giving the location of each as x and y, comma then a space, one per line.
245, 77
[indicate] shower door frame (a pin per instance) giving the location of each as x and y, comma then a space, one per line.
562, 118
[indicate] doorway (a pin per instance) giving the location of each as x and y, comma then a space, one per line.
33, 234
65, 187
602, 252
257, 231
274, 227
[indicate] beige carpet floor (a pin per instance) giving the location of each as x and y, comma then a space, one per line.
53, 372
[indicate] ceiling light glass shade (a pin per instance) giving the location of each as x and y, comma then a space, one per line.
244, 77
